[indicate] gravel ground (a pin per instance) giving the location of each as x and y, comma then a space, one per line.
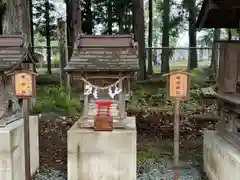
53, 156
52, 148
151, 170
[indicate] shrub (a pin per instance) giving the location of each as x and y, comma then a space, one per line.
54, 100
46, 79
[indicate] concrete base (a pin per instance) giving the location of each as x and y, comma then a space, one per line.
221, 159
102, 155
12, 149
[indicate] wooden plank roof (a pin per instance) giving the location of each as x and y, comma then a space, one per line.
104, 53
219, 14
14, 50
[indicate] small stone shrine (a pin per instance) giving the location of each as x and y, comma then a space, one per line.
221, 151
15, 54
102, 143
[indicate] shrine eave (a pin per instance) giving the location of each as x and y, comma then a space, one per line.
70, 69
15, 50
219, 14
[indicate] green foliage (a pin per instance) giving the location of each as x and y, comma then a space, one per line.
199, 77
56, 60
54, 100
175, 24
155, 99
147, 97
206, 38
46, 79
39, 16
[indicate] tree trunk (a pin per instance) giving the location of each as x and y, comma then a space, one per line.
31, 21
48, 36
214, 59
69, 27
16, 19
121, 13
73, 24
89, 16
139, 35
229, 35
62, 45
13, 19
110, 20
192, 33
2, 13
150, 9
165, 37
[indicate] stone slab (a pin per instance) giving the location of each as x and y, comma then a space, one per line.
96, 155
12, 149
221, 159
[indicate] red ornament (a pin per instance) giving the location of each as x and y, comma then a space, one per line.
100, 104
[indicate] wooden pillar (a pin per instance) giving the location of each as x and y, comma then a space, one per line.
34, 98
121, 100
85, 101
69, 86
231, 123
221, 123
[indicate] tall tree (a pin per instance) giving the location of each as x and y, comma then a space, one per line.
165, 37
13, 18
16, 18
150, 36
44, 24
229, 34
214, 58
139, 34
31, 21
120, 12
110, 16
192, 33
39, 17
48, 35
62, 50
74, 24
87, 17
2, 13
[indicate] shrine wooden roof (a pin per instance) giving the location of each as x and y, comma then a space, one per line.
15, 50
104, 53
219, 14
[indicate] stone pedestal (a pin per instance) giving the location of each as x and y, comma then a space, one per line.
221, 159
12, 149
94, 155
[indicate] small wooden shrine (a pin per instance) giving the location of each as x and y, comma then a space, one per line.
104, 65
225, 14
15, 54
229, 91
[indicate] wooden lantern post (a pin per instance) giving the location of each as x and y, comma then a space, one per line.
24, 89
178, 90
